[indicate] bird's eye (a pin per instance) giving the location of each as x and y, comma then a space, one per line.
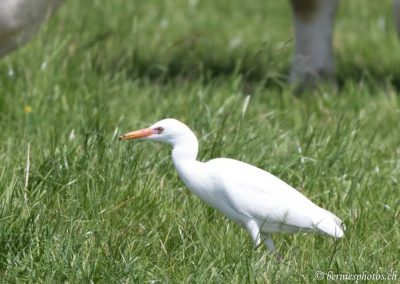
160, 130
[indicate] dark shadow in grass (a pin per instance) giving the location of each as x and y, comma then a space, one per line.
371, 74
207, 69
193, 59
253, 70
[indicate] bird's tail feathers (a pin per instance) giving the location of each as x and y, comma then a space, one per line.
331, 225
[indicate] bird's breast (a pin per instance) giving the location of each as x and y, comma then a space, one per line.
207, 189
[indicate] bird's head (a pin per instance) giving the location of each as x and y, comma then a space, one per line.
168, 130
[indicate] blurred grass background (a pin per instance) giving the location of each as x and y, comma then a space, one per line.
86, 208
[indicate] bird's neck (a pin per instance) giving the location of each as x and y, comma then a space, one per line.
186, 149
184, 152
189, 169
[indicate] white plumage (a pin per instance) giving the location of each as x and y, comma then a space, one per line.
253, 198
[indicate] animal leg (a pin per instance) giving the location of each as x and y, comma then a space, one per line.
313, 52
254, 231
396, 10
271, 246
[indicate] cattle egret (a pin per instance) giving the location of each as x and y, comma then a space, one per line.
251, 197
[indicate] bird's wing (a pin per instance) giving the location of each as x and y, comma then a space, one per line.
258, 194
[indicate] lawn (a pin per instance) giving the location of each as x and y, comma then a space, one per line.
78, 206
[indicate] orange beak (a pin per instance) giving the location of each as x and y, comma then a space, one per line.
142, 133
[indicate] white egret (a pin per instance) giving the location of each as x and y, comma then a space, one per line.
253, 198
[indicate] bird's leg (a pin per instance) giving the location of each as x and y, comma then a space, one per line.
271, 246
254, 230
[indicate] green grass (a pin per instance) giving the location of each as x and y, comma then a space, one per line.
92, 209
